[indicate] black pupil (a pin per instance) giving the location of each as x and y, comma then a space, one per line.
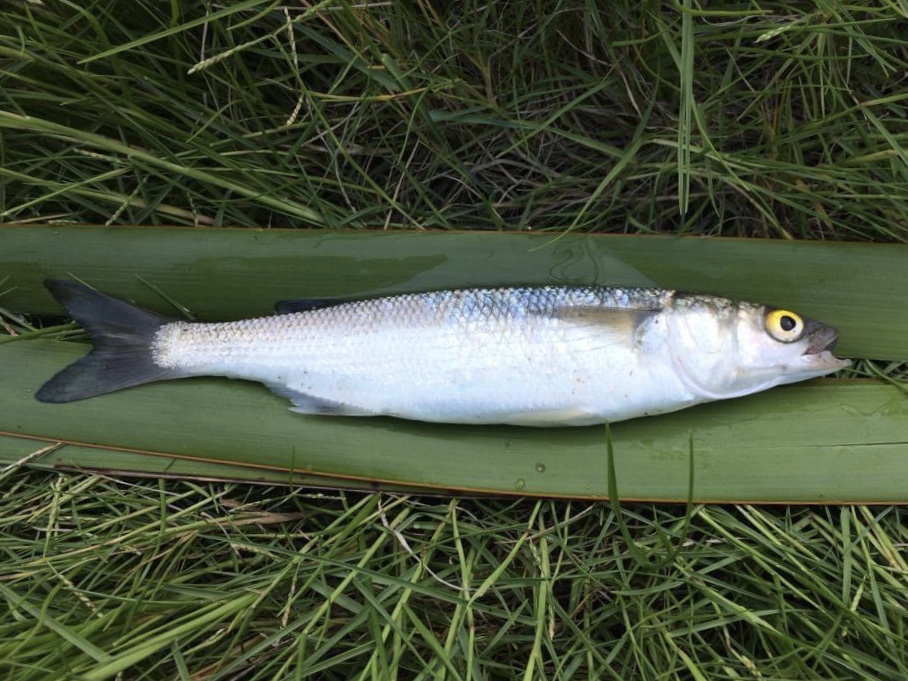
787, 323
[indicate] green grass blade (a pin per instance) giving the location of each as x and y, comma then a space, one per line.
13, 121
210, 271
17, 603
138, 651
685, 119
806, 443
18, 451
827, 441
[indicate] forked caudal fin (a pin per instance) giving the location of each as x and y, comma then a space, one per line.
122, 335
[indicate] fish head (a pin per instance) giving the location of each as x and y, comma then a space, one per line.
724, 349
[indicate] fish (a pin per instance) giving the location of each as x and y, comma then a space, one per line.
527, 356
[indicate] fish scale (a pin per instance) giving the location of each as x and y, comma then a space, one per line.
539, 356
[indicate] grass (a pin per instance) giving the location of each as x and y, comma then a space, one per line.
183, 579
771, 121
782, 120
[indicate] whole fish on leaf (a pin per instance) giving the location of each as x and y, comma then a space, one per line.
546, 356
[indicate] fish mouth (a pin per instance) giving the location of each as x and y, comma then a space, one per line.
821, 339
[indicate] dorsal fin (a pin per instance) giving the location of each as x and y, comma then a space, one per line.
306, 304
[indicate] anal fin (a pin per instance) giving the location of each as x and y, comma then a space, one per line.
304, 403
552, 418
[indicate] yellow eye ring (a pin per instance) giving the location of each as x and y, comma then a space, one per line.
784, 326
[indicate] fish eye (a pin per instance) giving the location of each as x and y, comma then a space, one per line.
784, 326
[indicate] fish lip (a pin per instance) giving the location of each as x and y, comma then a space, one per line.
821, 338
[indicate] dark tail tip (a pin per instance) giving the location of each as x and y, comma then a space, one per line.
122, 335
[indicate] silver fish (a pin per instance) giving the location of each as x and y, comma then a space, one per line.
547, 356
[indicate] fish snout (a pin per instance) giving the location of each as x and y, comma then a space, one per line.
821, 338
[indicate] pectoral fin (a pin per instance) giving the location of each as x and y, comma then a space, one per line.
618, 320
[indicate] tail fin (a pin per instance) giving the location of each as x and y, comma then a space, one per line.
122, 335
